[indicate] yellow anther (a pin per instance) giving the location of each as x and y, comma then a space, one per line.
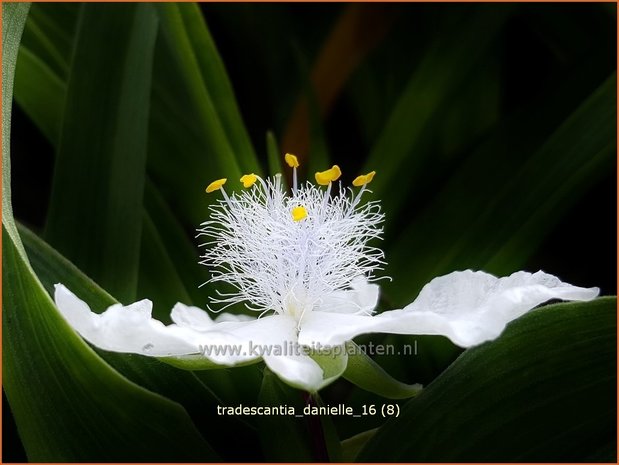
299, 213
215, 185
325, 177
364, 179
291, 160
336, 172
248, 180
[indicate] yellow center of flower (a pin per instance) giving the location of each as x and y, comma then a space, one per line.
248, 180
364, 179
299, 213
215, 185
325, 177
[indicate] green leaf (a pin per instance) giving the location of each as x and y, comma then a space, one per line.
198, 363
353, 445
197, 134
52, 268
40, 92
333, 363
182, 254
49, 34
13, 19
578, 153
545, 391
199, 396
318, 158
196, 131
308, 437
274, 157
502, 221
68, 404
43, 65
214, 76
158, 279
56, 382
368, 375
278, 430
42, 95
234, 385
95, 213
329, 432
448, 62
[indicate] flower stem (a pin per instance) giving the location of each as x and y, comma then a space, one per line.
314, 423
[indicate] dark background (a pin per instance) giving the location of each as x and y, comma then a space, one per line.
527, 68
261, 60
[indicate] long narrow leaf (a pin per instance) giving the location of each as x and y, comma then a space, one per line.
95, 214
13, 19
216, 80
158, 279
197, 132
544, 391
367, 374
500, 222
181, 249
182, 386
441, 71
40, 92
289, 430
69, 405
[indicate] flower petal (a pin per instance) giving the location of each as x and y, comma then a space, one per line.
191, 317
223, 317
468, 307
124, 329
327, 329
239, 341
130, 329
297, 370
196, 318
362, 298
476, 306
274, 338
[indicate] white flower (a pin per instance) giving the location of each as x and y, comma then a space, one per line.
303, 262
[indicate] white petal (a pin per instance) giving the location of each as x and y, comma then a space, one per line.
468, 307
130, 329
196, 318
263, 332
477, 306
274, 338
191, 317
299, 371
361, 299
328, 329
223, 317
237, 340
124, 329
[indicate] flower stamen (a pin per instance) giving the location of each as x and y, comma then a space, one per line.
248, 180
270, 261
324, 178
364, 179
215, 185
293, 162
218, 185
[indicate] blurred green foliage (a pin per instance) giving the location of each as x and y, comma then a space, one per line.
493, 131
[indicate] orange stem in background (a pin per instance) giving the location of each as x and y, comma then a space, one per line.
359, 29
